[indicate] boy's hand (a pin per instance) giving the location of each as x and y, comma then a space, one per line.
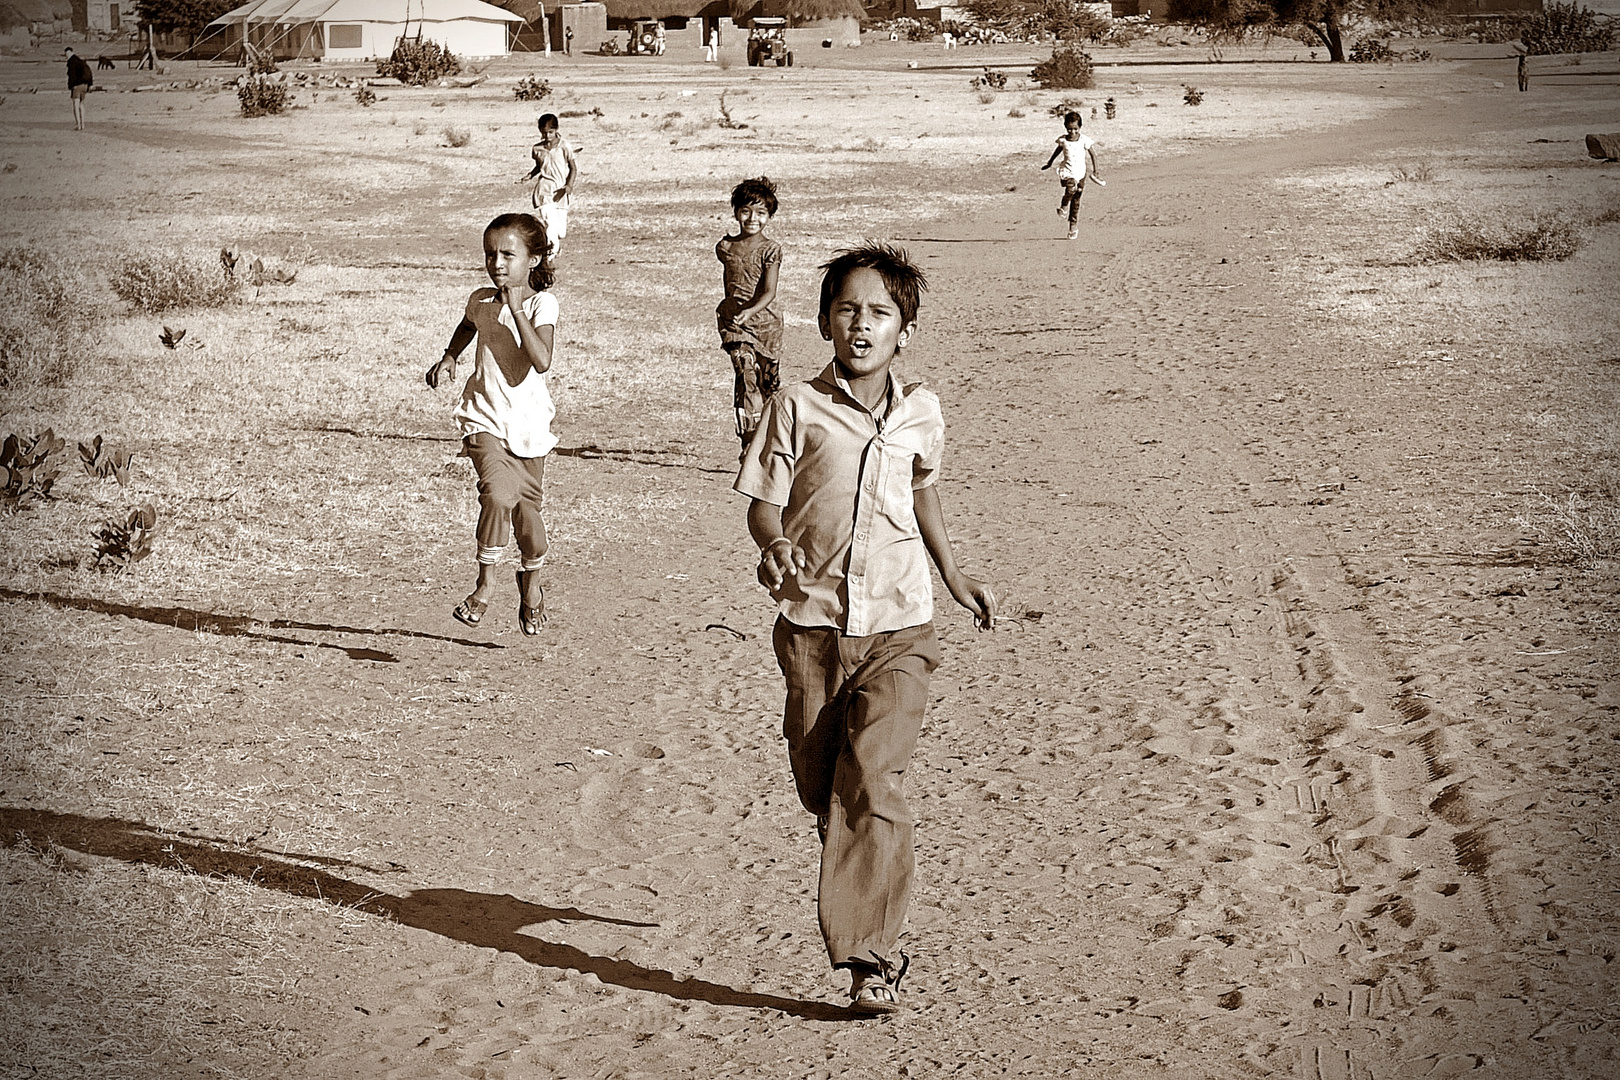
780, 560
977, 597
444, 369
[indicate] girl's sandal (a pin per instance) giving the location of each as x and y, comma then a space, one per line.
530, 619
470, 611
877, 992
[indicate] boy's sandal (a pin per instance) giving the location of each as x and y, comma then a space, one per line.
470, 611
530, 619
876, 992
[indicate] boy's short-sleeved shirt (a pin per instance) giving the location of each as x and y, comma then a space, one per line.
844, 477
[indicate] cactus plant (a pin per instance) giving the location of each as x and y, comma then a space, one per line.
102, 461
122, 544
26, 471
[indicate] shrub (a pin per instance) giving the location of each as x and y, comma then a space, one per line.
27, 472
1191, 95
1067, 69
164, 281
102, 461
365, 97
122, 544
262, 95
532, 89
418, 62
457, 137
46, 318
1372, 50
1565, 28
1538, 237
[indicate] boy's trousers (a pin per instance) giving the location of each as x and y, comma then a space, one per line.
854, 709
511, 494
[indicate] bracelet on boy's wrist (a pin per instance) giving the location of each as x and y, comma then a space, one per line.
779, 540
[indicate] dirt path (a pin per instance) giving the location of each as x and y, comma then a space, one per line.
1220, 799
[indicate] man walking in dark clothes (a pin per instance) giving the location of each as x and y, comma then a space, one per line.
79, 82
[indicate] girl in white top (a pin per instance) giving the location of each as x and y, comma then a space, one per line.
1076, 163
506, 410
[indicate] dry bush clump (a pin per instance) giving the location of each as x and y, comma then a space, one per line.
1421, 173
1575, 530
365, 97
45, 318
457, 137
1539, 236
158, 281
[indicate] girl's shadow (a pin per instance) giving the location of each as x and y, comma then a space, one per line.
483, 920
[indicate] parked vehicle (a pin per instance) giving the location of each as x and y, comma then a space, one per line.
644, 37
767, 43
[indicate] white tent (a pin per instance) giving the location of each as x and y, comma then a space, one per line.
365, 29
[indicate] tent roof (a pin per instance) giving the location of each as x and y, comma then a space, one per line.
384, 11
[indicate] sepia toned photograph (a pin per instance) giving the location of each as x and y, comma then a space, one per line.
795, 540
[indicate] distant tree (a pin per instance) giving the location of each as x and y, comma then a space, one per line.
1565, 28
803, 11
181, 16
1323, 19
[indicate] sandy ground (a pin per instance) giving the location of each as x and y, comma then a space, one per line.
1293, 758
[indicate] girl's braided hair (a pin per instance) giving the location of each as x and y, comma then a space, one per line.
543, 275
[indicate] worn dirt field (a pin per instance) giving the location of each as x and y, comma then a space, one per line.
1294, 756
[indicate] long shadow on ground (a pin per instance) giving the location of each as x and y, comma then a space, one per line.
479, 919
207, 622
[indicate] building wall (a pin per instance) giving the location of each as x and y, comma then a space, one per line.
110, 16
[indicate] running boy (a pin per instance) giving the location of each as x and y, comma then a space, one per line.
554, 174
841, 474
1078, 164
750, 331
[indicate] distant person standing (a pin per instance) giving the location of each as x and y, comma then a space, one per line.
712, 47
554, 174
1524, 74
79, 82
568, 42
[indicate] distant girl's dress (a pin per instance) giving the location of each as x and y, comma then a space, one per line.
755, 346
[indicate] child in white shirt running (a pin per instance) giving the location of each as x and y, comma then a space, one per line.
1078, 163
506, 410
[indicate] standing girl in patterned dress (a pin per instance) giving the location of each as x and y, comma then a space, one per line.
749, 330
506, 411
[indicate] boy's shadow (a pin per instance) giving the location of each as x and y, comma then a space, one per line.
483, 920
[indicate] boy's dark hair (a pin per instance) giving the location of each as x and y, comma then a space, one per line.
549, 120
903, 278
758, 190
1072, 115
543, 275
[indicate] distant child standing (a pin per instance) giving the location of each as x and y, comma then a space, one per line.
750, 330
80, 80
555, 172
505, 412
1076, 162
846, 514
